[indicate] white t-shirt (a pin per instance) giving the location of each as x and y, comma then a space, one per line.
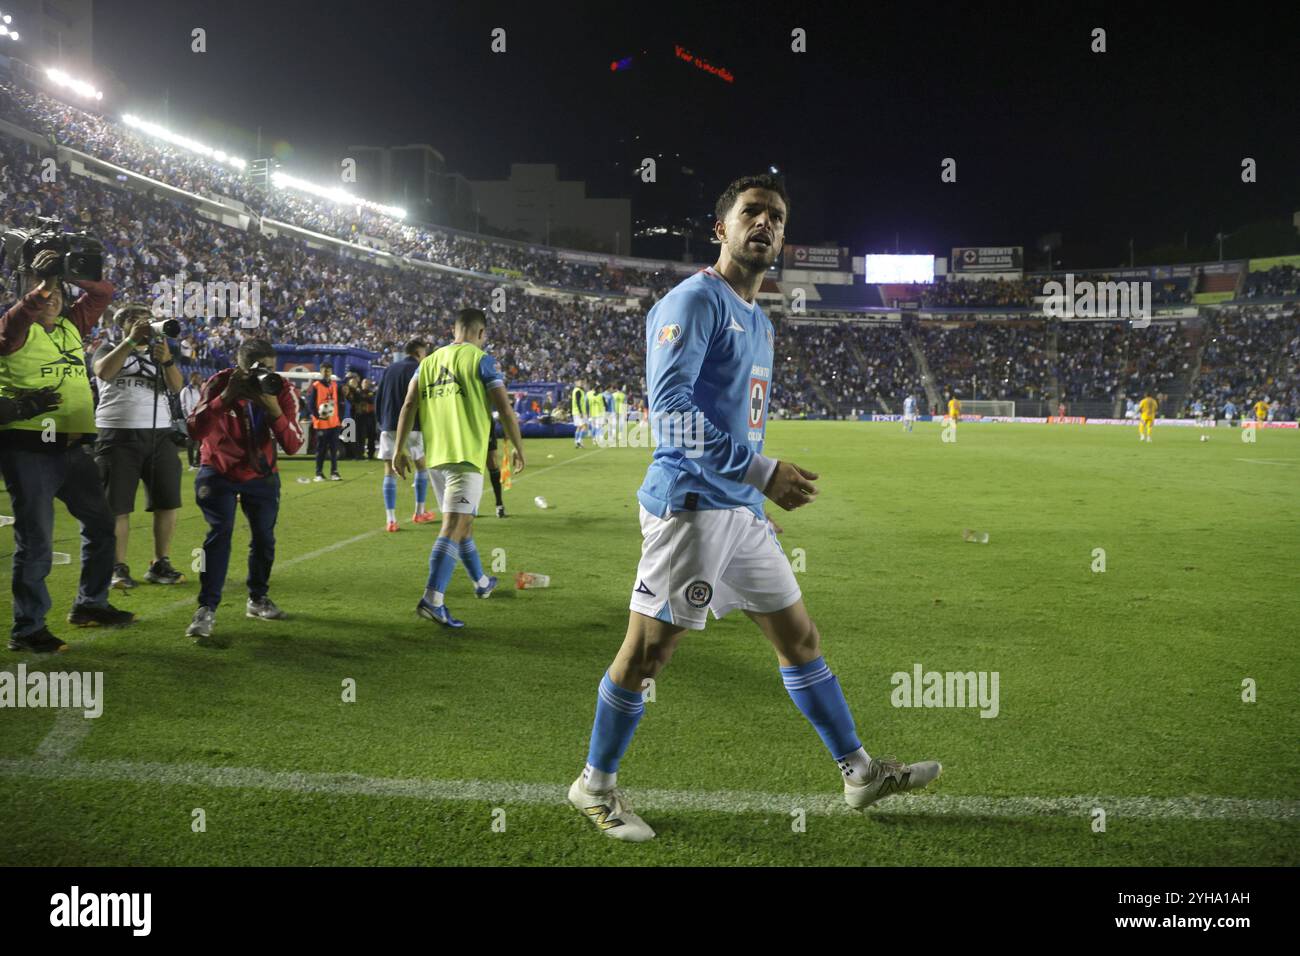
127, 401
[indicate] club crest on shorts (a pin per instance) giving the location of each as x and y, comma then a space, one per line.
699, 593
668, 335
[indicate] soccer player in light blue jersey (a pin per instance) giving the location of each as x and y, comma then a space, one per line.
909, 412
706, 543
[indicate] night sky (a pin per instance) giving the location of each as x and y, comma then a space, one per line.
1143, 141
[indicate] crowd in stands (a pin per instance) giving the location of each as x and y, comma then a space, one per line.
1274, 283
312, 296
989, 360
956, 293
121, 145
1250, 355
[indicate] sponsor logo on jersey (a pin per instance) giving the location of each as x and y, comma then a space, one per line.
642, 589
757, 401
699, 594
668, 335
734, 326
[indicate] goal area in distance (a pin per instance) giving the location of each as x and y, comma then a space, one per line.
1004, 409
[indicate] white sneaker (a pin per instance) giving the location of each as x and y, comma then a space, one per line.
201, 626
610, 813
887, 777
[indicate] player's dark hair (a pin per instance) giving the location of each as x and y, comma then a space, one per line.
415, 345
471, 319
761, 181
252, 349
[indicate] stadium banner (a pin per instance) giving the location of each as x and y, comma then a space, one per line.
818, 258
508, 273
988, 258
1260, 265
1204, 268
621, 262
1247, 423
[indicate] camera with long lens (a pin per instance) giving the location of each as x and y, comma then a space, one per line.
80, 255
266, 380
166, 328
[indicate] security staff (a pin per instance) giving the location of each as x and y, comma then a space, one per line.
326, 420
45, 457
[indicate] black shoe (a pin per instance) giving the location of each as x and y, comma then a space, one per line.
501, 511
122, 578
84, 615
162, 572
38, 642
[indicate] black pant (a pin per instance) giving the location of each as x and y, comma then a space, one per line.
327, 441
367, 436
260, 501
192, 453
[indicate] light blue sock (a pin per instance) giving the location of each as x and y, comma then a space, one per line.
618, 711
390, 492
817, 694
442, 564
421, 489
469, 557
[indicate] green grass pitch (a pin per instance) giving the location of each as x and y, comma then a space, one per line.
1120, 690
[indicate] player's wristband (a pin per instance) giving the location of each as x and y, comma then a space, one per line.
760, 471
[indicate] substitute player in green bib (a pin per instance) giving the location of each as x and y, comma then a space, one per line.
451, 393
579, 399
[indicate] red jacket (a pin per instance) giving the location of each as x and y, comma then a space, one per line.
223, 430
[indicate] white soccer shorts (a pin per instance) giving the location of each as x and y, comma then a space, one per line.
458, 491
388, 444
720, 560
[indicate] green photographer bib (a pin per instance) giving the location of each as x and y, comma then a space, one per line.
51, 359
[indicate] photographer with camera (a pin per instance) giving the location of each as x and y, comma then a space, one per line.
43, 455
243, 413
137, 438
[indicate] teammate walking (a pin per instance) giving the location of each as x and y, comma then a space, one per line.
451, 391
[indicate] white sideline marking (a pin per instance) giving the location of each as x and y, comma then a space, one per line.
723, 801
1267, 461
70, 728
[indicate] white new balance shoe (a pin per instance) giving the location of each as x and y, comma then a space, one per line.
887, 777
610, 813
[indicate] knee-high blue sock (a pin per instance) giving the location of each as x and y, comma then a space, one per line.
618, 711
469, 558
817, 694
442, 564
390, 496
421, 489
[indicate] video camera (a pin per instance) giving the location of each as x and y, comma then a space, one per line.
81, 256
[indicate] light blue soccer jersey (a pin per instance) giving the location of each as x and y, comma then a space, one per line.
909, 406
708, 372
